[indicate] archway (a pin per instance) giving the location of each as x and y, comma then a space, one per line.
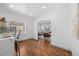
42, 27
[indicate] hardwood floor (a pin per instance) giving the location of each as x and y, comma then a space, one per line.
33, 47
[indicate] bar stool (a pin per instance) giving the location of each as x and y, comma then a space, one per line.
17, 47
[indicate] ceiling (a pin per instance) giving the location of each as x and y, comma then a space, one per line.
35, 9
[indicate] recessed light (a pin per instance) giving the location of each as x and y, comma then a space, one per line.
11, 6
43, 7
40, 19
31, 14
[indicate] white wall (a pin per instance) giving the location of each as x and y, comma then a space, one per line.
61, 27
29, 25
75, 39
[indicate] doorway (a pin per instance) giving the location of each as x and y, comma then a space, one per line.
44, 30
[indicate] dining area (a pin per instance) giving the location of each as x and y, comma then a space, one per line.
44, 30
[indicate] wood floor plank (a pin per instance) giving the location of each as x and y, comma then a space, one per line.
33, 47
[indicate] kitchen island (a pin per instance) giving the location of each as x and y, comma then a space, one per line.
7, 46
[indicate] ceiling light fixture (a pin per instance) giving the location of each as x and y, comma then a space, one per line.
31, 14
43, 7
11, 6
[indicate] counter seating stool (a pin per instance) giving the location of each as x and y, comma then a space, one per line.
17, 48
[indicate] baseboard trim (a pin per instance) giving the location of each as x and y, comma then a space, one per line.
61, 47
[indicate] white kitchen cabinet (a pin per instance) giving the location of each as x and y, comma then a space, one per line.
7, 46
